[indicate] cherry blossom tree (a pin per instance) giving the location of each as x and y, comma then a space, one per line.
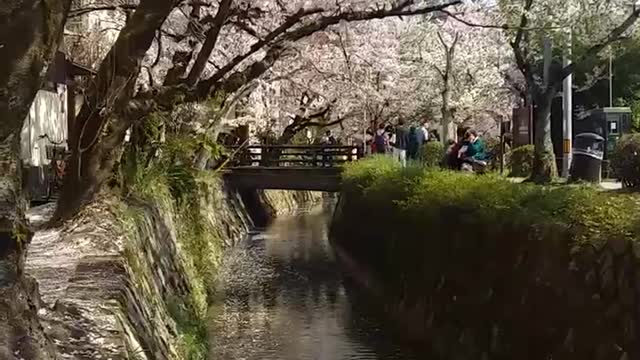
220, 48
459, 69
591, 27
351, 74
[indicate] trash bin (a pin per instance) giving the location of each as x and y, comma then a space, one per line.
588, 151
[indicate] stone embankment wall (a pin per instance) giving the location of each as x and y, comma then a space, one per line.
110, 278
494, 290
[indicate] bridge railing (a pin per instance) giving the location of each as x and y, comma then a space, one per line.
294, 155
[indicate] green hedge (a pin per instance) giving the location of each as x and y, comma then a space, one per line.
625, 160
432, 154
492, 199
521, 161
431, 237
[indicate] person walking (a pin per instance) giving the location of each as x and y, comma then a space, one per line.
417, 139
381, 140
399, 142
326, 141
425, 131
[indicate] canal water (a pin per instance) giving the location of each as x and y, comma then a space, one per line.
282, 296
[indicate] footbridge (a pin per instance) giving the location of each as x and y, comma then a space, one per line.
289, 167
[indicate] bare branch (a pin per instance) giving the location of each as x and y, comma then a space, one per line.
83, 11
615, 35
246, 28
347, 58
468, 23
441, 39
439, 71
331, 123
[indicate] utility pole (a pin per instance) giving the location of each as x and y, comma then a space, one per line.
366, 149
610, 76
567, 112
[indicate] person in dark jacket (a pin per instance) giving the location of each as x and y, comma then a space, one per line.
434, 136
400, 142
418, 136
451, 155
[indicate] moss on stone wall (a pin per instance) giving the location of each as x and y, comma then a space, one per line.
197, 220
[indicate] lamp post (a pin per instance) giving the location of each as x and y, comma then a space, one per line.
610, 76
567, 112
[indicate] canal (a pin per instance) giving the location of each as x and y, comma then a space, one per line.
282, 296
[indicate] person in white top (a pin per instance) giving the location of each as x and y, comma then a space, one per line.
425, 130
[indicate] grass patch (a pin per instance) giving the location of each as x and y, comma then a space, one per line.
193, 330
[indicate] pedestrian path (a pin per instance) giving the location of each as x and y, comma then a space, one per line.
606, 184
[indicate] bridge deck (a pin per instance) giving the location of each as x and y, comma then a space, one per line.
290, 167
285, 178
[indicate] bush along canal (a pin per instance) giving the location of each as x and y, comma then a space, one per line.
476, 267
281, 296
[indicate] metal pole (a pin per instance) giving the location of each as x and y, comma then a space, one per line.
567, 107
610, 78
501, 149
366, 149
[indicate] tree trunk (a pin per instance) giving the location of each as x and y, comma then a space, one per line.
447, 118
544, 162
105, 116
448, 132
29, 36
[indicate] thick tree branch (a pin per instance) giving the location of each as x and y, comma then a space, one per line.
29, 35
209, 43
278, 41
104, 117
521, 60
345, 53
205, 87
290, 22
323, 112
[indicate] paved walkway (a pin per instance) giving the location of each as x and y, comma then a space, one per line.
606, 184
80, 274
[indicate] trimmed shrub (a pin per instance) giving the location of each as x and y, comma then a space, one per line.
432, 154
625, 161
521, 161
493, 199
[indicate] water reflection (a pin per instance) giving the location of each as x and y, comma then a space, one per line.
282, 297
